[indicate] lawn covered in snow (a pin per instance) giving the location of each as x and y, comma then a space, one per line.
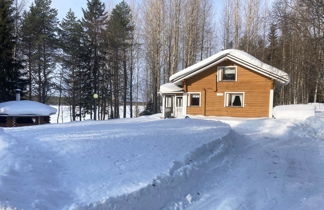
86, 163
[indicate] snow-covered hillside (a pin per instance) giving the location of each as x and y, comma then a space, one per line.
148, 163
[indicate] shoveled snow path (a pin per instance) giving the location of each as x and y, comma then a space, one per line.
269, 167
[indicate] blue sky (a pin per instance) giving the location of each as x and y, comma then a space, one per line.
63, 6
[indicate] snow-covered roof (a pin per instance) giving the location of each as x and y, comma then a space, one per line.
237, 56
170, 88
23, 108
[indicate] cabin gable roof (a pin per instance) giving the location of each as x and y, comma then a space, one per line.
236, 56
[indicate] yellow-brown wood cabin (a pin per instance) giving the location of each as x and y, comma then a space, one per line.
230, 83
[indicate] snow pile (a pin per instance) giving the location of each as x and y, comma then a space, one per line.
170, 88
312, 126
296, 111
238, 55
88, 163
25, 108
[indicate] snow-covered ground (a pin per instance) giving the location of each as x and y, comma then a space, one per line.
84, 164
149, 163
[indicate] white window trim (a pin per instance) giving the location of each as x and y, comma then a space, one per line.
270, 103
189, 98
226, 97
220, 74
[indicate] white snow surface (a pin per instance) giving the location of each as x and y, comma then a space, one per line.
25, 107
236, 54
148, 163
297, 111
170, 88
83, 164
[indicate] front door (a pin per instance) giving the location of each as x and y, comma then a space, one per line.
179, 106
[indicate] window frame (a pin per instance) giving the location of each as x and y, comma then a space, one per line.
220, 73
227, 94
189, 97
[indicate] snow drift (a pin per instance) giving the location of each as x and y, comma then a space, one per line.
296, 111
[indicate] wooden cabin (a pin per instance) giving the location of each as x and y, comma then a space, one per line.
24, 113
230, 83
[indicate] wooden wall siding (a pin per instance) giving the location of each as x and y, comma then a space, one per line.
256, 87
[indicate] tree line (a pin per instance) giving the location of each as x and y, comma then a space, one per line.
123, 55
289, 34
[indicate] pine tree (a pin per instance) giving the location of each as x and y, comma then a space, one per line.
70, 43
10, 66
120, 34
39, 33
93, 21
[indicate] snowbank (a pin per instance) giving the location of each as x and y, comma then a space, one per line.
311, 127
297, 111
87, 163
26, 108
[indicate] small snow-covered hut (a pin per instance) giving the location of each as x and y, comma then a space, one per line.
24, 113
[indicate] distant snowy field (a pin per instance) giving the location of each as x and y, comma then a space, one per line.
147, 163
63, 114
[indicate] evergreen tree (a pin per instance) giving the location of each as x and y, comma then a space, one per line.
120, 34
10, 66
273, 44
39, 33
70, 43
93, 22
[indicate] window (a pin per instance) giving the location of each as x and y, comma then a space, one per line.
227, 73
168, 102
194, 99
234, 100
3, 120
25, 120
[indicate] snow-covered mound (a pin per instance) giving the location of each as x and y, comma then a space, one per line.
312, 126
296, 111
26, 108
87, 163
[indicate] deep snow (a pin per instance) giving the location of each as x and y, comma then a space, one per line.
81, 164
274, 165
149, 163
